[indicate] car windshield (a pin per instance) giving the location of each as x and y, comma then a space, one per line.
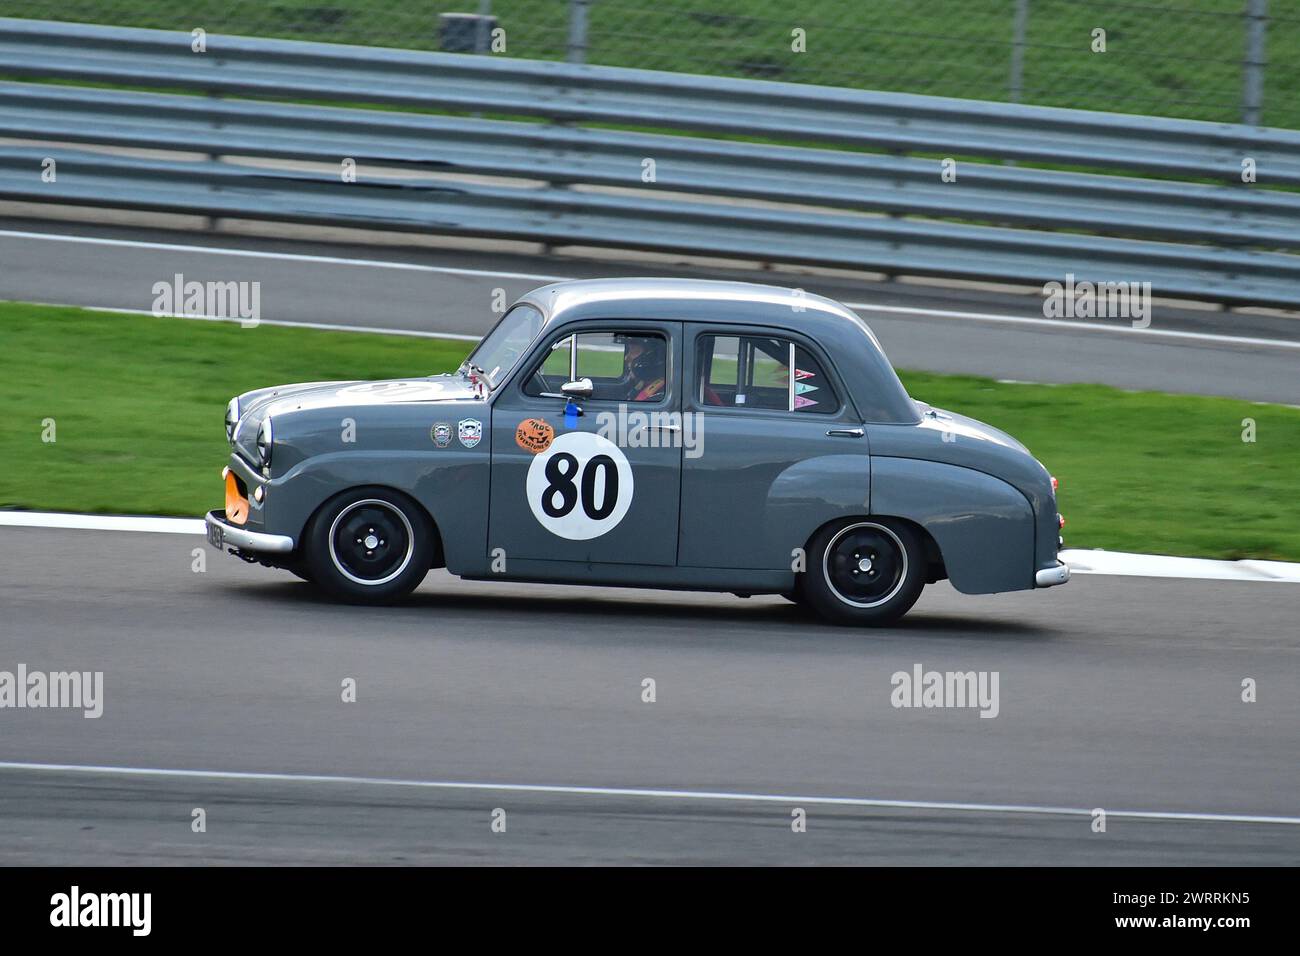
498, 352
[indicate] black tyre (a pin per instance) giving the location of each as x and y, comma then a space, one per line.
865, 571
368, 546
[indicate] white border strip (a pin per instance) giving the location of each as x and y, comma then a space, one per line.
715, 795
1121, 563
1126, 563
54, 519
283, 323
286, 256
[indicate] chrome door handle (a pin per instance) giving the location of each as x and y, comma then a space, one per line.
845, 433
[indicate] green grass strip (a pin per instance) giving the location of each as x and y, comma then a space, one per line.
138, 403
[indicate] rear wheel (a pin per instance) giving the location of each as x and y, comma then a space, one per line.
867, 571
369, 546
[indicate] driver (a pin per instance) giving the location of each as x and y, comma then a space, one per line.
646, 362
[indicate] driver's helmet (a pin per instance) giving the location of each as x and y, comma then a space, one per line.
644, 357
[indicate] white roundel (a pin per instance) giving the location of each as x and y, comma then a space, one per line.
580, 487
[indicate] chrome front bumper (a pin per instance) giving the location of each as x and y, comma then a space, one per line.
1051, 577
222, 534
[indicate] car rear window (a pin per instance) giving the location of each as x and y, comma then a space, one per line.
749, 371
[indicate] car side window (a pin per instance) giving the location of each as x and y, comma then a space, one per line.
755, 372
622, 366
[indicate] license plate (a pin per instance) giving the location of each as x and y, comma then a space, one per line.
216, 536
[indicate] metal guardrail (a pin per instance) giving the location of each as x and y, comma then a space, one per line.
881, 210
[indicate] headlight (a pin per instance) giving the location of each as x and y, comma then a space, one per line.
232, 418
265, 439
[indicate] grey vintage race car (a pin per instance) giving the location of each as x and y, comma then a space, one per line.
649, 433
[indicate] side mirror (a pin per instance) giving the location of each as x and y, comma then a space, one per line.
582, 388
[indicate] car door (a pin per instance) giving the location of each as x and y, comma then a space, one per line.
595, 478
780, 449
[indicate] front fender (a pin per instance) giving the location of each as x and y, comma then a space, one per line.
451, 484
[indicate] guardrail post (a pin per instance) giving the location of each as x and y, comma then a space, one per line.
481, 35
577, 49
213, 223
1252, 94
1016, 83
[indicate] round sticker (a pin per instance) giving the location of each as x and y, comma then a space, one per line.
580, 487
535, 435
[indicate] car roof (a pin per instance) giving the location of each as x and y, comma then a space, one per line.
841, 334
662, 298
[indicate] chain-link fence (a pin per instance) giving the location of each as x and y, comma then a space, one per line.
1224, 60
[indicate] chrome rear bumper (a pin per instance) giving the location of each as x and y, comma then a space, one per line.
223, 534
1051, 577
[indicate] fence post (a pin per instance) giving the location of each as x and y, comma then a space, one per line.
1019, 25
1252, 94
577, 49
481, 40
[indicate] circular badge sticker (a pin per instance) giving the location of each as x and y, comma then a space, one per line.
534, 435
580, 487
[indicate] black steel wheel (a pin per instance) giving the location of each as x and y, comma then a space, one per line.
865, 571
369, 545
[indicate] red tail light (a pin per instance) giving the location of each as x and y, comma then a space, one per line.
1054, 484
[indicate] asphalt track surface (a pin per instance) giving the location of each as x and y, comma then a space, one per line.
399, 288
1118, 693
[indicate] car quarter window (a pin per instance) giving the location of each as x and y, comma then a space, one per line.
622, 366
752, 371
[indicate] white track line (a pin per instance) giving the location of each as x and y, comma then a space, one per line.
927, 313
715, 795
321, 326
1081, 562
53, 519
1066, 326
286, 256
1043, 323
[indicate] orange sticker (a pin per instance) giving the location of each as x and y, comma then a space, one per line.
534, 435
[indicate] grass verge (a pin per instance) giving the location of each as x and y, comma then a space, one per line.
137, 404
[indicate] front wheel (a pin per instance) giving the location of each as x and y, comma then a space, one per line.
867, 571
369, 546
